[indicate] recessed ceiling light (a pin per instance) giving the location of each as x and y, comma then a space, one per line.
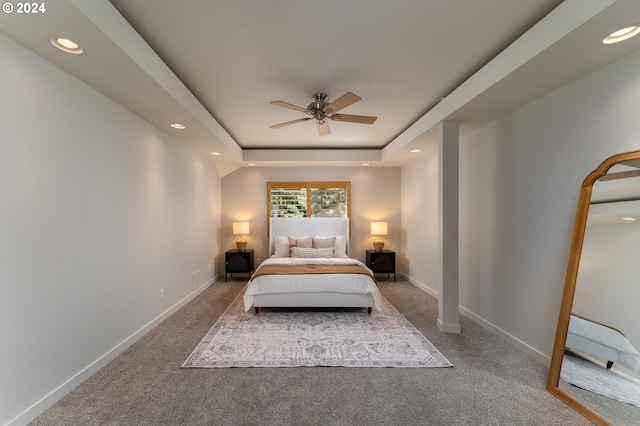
366, 164
215, 153
178, 126
621, 35
629, 219
251, 164
416, 150
67, 45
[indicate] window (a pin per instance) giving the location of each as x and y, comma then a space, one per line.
309, 199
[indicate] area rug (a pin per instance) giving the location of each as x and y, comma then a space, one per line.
593, 377
313, 337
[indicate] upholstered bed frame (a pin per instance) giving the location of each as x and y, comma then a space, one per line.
601, 340
301, 227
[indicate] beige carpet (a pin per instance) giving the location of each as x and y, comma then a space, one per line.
492, 382
345, 337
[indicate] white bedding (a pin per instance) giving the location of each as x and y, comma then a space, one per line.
312, 283
604, 342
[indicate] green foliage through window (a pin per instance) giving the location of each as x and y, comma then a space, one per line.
308, 199
288, 202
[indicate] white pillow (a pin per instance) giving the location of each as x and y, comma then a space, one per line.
340, 250
282, 247
311, 252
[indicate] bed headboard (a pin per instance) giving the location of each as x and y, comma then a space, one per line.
307, 226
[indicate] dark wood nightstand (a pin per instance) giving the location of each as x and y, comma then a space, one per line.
383, 262
238, 261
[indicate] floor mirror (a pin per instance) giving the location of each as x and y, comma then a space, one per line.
595, 361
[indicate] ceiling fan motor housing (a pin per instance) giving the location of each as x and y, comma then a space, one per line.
316, 108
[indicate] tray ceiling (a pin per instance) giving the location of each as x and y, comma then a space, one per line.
215, 66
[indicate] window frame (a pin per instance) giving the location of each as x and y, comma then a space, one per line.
309, 186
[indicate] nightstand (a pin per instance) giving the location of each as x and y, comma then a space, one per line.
383, 262
238, 261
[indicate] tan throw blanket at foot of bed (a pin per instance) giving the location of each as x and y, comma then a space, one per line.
304, 269
305, 277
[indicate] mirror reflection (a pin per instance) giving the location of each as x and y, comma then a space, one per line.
601, 361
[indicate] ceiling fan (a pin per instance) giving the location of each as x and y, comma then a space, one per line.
323, 110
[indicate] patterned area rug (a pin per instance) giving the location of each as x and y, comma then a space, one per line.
596, 378
313, 337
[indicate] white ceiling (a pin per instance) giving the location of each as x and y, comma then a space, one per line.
215, 66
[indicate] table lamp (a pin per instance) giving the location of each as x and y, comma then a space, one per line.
242, 229
378, 228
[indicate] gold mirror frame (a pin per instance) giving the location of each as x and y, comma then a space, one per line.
570, 285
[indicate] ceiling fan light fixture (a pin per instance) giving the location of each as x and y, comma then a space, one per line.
622, 35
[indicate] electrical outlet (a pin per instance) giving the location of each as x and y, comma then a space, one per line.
161, 295
209, 267
258, 260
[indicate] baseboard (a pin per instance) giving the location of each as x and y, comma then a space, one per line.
54, 396
512, 340
421, 286
448, 328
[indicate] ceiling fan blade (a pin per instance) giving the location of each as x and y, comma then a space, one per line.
290, 106
323, 128
364, 119
277, 126
342, 102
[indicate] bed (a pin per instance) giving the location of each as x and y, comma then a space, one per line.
600, 340
306, 280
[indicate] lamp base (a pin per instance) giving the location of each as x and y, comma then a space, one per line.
378, 245
241, 245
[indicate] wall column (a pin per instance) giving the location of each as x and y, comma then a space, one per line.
448, 176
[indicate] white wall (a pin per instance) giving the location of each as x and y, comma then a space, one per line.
98, 211
374, 192
419, 218
520, 180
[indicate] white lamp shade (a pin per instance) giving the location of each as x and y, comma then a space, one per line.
240, 228
378, 228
